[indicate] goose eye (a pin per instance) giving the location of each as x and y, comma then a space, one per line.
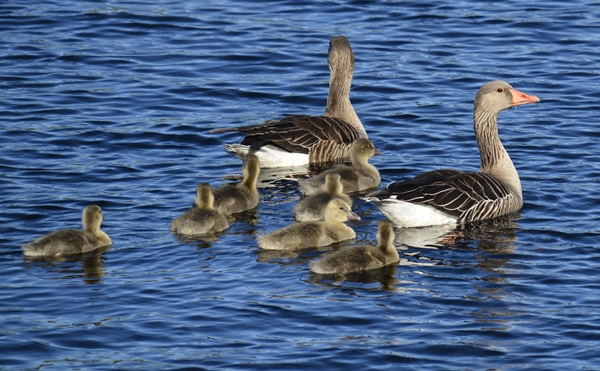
499, 90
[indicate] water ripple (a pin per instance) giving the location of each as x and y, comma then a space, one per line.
112, 104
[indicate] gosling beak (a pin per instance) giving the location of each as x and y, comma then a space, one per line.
519, 98
352, 215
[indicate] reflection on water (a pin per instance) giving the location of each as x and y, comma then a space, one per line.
113, 104
386, 277
497, 236
91, 271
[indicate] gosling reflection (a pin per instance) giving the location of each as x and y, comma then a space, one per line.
92, 265
386, 276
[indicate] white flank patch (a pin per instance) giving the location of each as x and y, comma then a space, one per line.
270, 156
408, 215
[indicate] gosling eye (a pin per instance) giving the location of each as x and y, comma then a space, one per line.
500, 90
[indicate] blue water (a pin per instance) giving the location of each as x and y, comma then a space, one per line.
111, 103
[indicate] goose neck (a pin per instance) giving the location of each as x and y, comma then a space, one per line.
338, 101
494, 158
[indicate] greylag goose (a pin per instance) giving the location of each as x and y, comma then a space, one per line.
312, 208
302, 235
303, 139
201, 218
363, 257
356, 177
449, 196
235, 198
72, 241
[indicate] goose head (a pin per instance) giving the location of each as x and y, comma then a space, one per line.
498, 95
340, 56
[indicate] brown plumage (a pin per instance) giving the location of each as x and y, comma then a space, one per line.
358, 176
72, 241
449, 196
362, 257
235, 198
303, 139
201, 218
312, 208
302, 235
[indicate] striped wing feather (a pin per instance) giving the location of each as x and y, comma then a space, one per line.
467, 196
329, 136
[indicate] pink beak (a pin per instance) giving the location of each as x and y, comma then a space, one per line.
519, 98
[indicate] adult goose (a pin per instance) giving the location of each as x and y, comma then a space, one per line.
452, 196
72, 241
201, 218
303, 139
358, 176
362, 257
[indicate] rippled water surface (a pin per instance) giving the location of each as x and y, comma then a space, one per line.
111, 103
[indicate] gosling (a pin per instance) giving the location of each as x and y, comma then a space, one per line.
235, 198
361, 258
356, 177
302, 235
312, 208
202, 218
72, 241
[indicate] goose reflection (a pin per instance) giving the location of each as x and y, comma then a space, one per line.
494, 235
489, 244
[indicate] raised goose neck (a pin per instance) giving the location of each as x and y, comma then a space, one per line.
341, 65
494, 158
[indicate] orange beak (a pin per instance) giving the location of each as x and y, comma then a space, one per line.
519, 98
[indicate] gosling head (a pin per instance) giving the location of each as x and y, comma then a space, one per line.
362, 148
92, 218
204, 196
251, 168
339, 211
333, 184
